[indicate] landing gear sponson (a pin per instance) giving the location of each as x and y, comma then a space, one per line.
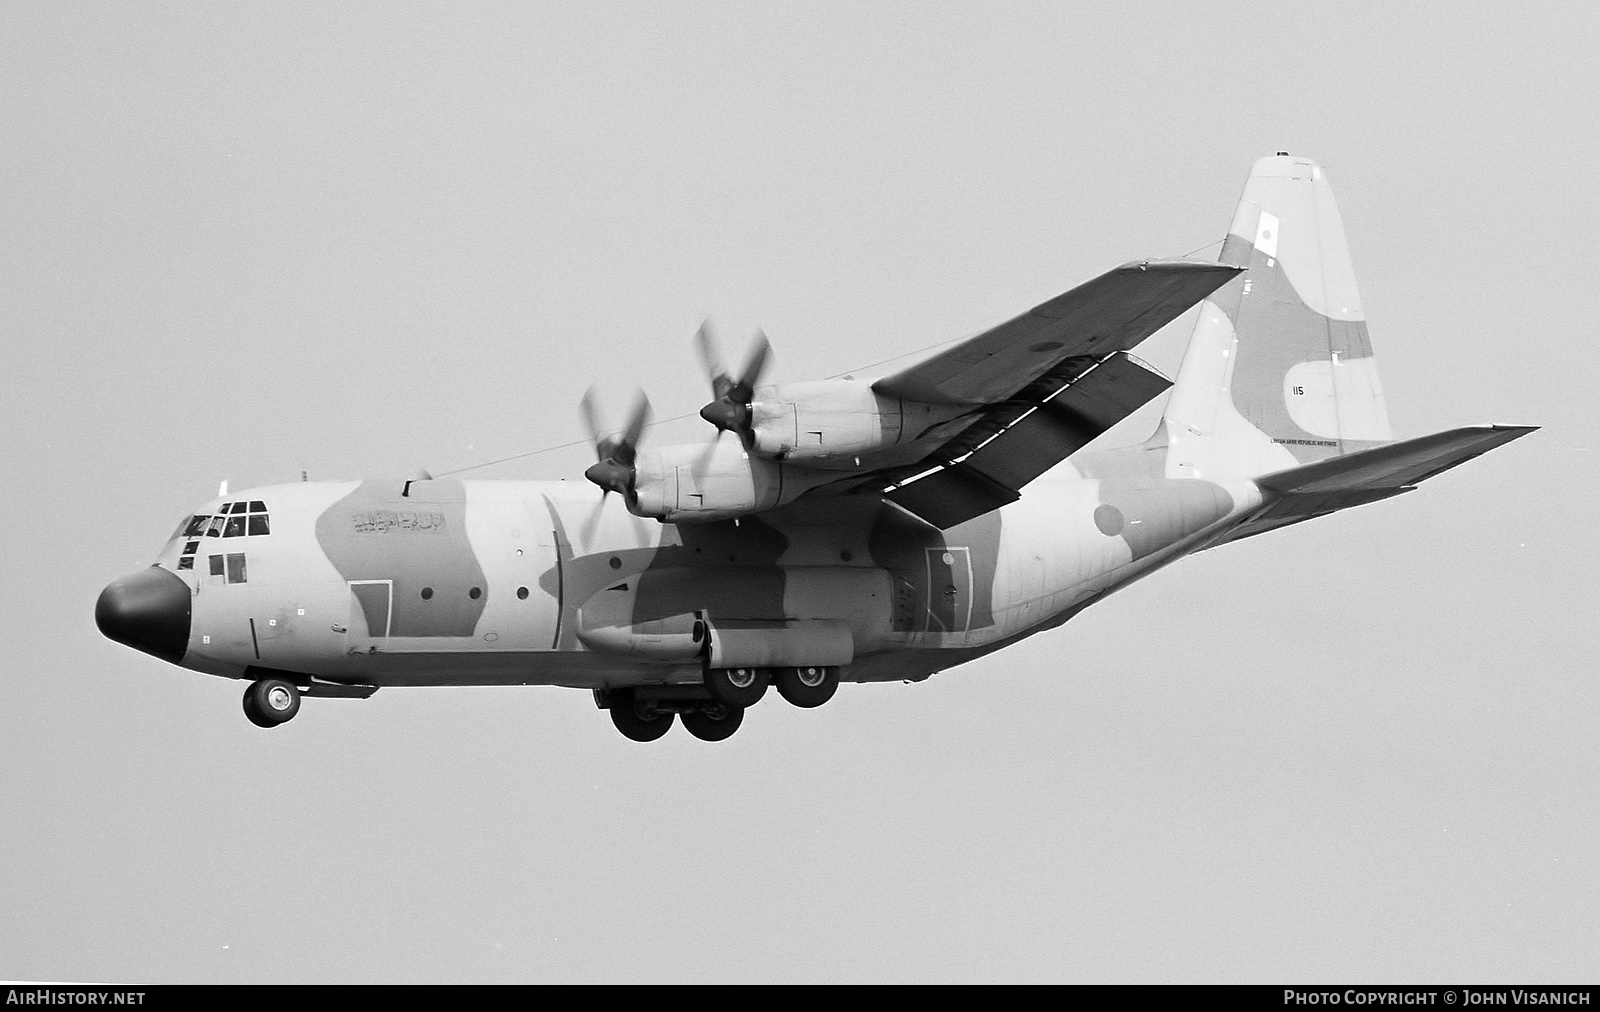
714, 709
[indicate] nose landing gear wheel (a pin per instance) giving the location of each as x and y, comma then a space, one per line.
271, 701
807, 687
739, 687
713, 721
639, 721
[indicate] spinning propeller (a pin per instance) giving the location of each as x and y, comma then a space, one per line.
730, 409
613, 470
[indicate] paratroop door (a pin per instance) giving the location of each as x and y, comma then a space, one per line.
371, 612
949, 590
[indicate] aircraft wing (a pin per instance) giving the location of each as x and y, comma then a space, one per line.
1338, 483
1042, 386
1111, 313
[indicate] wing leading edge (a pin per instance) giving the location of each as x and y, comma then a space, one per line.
1113, 312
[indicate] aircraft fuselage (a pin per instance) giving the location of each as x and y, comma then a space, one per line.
445, 582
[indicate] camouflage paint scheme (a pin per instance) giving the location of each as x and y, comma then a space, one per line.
852, 560
388, 582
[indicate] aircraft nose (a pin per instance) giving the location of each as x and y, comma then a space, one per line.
148, 611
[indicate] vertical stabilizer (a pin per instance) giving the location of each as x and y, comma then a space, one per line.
1279, 371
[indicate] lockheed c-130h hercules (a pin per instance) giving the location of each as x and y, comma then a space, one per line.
856, 529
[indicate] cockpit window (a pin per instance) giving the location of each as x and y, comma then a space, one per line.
232, 520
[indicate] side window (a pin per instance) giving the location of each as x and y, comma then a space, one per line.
235, 568
187, 562
216, 565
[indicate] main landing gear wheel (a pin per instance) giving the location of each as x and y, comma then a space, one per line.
807, 687
271, 701
738, 687
713, 721
638, 720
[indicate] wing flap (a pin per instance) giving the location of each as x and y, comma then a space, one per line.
987, 464
1044, 437
952, 495
1113, 312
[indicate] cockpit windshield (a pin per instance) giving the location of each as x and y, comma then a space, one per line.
232, 520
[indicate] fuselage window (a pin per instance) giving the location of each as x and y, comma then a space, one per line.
235, 568
216, 565
190, 548
187, 562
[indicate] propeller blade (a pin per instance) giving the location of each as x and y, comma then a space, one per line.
592, 524
760, 351
705, 341
612, 470
628, 449
729, 409
589, 411
702, 463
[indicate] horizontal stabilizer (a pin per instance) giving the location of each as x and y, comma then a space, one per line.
1114, 312
1337, 483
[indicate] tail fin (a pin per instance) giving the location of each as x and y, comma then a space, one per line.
1279, 371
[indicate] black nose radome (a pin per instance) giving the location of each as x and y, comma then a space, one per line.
148, 611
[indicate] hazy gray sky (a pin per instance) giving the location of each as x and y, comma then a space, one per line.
238, 241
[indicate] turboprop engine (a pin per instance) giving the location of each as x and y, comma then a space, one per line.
822, 420
808, 423
686, 483
691, 483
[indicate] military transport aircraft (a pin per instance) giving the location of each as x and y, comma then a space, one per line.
860, 529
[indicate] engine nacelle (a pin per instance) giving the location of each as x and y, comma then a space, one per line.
823, 419
686, 484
